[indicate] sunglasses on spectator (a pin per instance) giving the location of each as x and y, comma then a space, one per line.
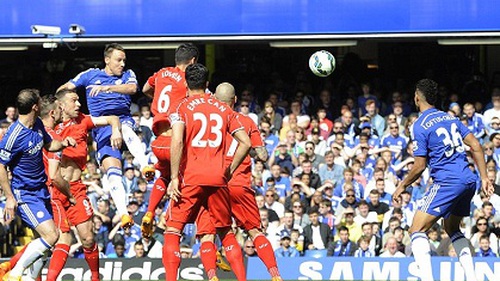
250, 247
349, 195
394, 127
243, 105
338, 128
488, 148
480, 224
297, 206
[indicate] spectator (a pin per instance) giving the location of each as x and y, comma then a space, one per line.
375, 242
302, 119
133, 210
317, 235
314, 158
282, 185
288, 225
377, 121
299, 215
375, 205
285, 250
129, 180
186, 251
10, 115
484, 248
269, 136
306, 168
249, 248
364, 214
274, 118
391, 249
326, 213
495, 111
365, 97
349, 201
271, 214
347, 220
297, 240
273, 204
340, 189
474, 121
139, 249
320, 144
482, 228
146, 118
325, 123
244, 108
326, 104
343, 247
283, 158
364, 250
117, 249
329, 171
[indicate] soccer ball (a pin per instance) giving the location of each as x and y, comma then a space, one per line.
322, 63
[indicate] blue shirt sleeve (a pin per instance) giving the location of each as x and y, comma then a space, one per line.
46, 137
464, 131
7, 153
129, 77
82, 79
419, 141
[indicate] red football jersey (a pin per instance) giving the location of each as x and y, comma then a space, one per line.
243, 175
77, 128
170, 88
47, 155
207, 124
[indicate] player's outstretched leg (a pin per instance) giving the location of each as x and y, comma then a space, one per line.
117, 192
135, 146
461, 245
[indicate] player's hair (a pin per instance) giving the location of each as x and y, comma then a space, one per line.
196, 76
109, 48
429, 90
26, 99
185, 52
47, 103
61, 94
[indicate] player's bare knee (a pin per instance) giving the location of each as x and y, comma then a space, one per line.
51, 237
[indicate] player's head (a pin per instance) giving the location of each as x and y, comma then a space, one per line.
225, 92
114, 57
69, 103
49, 108
197, 77
426, 92
186, 54
28, 100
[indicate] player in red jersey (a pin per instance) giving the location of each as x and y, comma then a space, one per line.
50, 114
73, 160
167, 88
199, 173
243, 206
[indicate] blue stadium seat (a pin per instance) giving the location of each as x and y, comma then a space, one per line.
315, 254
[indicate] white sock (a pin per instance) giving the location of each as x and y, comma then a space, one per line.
135, 146
117, 190
36, 268
422, 253
462, 249
34, 251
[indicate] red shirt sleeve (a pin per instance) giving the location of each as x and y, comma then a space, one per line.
152, 80
234, 123
87, 122
254, 135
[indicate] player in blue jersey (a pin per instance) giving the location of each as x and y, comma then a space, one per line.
27, 193
439, 140
109, 92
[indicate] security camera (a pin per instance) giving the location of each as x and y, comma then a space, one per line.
45, 29
76, 29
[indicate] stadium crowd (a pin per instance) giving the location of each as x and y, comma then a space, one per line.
326, 189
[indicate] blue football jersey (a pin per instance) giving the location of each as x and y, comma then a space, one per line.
21, 150
439, 137
106, 103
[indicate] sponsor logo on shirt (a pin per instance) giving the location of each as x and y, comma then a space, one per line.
4, 154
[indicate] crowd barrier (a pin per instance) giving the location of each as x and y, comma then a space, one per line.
444, 269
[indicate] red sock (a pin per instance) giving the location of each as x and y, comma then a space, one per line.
208, 255
171, 255
17, 256
92, 257
234, 256
159, 190
266, 254
57, 262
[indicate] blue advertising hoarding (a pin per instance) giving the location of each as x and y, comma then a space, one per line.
367, 269
246, 17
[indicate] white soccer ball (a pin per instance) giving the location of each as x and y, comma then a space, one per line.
322, 63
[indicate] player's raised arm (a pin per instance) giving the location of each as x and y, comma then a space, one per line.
241, 152
67, 86
116, 127
478, 156
56, 145
126, 89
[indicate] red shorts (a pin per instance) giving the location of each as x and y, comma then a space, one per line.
194, 198
161, 148
66, 214
243, 207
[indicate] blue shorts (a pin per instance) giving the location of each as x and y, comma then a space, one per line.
101, 136
445, 199
33, 206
